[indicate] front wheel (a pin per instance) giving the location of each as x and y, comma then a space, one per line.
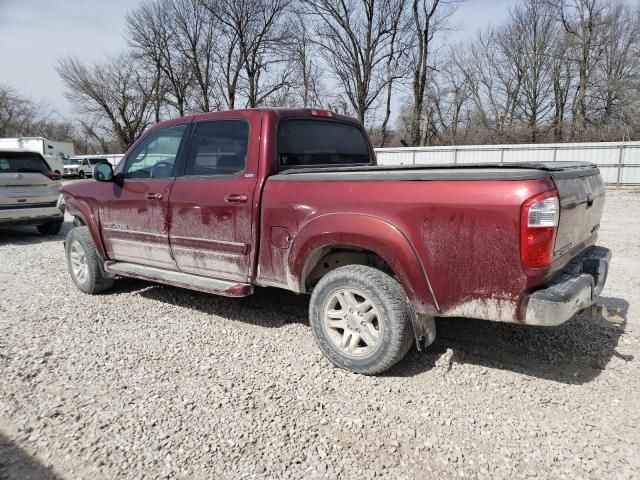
360, 319
81, 174
84, 263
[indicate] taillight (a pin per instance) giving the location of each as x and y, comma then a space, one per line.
322, 113
539, 223
52, 175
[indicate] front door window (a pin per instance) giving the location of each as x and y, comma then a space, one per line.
155, 156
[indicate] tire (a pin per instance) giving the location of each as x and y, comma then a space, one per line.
81, 174
50, 228
376, 336
84, 262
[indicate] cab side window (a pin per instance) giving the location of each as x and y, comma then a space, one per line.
218, 147
155, 156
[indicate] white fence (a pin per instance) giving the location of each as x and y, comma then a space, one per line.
619, 162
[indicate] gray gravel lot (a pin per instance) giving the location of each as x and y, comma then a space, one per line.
150, 381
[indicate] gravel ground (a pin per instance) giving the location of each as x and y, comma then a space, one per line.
151, 381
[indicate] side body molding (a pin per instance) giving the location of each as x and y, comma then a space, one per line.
367, 232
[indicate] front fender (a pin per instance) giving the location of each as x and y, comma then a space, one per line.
80, 209
369, 233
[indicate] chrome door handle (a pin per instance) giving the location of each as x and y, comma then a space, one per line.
236, 198
154, 196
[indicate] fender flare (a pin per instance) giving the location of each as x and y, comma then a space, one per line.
369, 233
80, 209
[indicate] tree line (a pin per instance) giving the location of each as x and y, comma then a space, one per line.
554, 70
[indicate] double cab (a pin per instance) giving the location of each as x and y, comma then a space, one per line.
226, 202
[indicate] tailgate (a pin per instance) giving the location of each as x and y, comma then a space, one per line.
581, 204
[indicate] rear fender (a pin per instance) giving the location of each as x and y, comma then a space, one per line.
80, 209
369, 233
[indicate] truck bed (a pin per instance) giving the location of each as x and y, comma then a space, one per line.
460, 171
463, 221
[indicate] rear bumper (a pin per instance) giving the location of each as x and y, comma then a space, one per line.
575, 289
29, 216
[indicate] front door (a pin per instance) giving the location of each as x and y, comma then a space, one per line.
211, 205
134, 220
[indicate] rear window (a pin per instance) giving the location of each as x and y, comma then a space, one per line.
22, 162
321, 142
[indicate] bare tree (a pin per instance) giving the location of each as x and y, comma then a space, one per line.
429, 17
150, 33
197, 41
353, 37
449, 95
17, 113
258, 27
231, 62
581, 19
493, 81
555, 69
619, 61
562, 77
118, 92
531, 43
396, 62
304, 63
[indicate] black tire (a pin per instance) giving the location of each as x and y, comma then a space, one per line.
387, 295
94, 281
50, 228
81, 174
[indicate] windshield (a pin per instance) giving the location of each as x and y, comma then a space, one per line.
73, 161
321, 142
22, 162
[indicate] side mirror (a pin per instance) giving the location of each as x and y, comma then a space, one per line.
103, 172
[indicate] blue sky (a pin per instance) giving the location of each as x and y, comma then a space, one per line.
34, 33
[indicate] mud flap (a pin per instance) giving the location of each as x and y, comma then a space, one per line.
424, 328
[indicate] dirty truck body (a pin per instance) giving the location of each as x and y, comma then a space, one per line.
222, 202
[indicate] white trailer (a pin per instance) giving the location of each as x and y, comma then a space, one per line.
54, 153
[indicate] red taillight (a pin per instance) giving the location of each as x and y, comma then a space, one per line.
322, 113
52, 175
539, 224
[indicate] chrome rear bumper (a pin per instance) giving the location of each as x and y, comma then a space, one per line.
575, 289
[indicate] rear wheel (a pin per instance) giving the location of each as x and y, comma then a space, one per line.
84, 263
360, 319
50, 228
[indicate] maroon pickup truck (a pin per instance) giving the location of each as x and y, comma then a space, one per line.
222, 202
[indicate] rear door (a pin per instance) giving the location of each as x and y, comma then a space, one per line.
23, 181
212, 203
134, 220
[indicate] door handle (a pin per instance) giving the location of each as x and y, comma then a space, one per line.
236, 198
154, 196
